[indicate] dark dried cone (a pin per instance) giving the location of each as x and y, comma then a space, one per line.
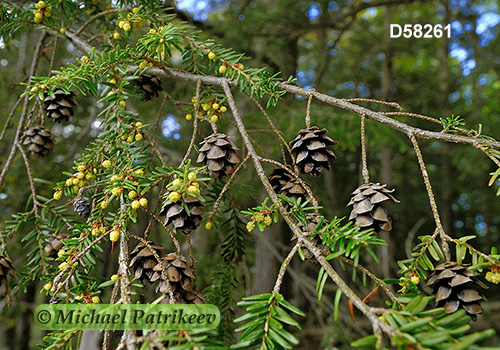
6, 269
179, 217
367, 211
178, 271
312, 222
82, 207
60, 107
40, 140
150, 86
456, 287
219, 155
142, 260
54, 245
312, 152
284, 183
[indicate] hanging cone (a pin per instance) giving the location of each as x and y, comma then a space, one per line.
182, 219
60, 107
368, 211
54, 245
82, 207
312, 222
6, 269
150, 86
285, 184
312, 152
179, 272
142, 260
455, 287
218, 153
40, 140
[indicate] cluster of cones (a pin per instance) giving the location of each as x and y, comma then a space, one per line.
172, 273
59, 107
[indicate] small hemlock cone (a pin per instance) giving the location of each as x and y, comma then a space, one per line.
82, 207
312, 222
142, 260
286, 184
60, 107
312, 152
40, 140
182, 219
54, 245
150, 86
367, 211
455, 287
6, 269
219, 155
178, 271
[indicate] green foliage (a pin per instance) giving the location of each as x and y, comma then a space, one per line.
265, 319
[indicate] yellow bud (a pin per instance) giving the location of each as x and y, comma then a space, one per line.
214, 118
38, 18
114, 278
139, 172
211, 55
138, 137
57, 195
40, 5
174, 196
176, 182
143, 64
136, 205
61, 253
215, 106
415, 280
191, 176
138, 124
206, 106
63, 265
222, 69
189, 116
250, 226
130, 138
84, 59
115, 177
143, 202
135, 9
95, 232
102, 230
34, 90
75, 264
116, 36
223, 109
241, 66
197, 184
132, 194
81, 168
48, 286
117, 191
127, 27
114, 235
208, 225
153, 31
121, 24
62, 31
193, 189
75, 189
95, 300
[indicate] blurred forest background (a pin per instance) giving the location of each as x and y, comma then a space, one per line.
341, 48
